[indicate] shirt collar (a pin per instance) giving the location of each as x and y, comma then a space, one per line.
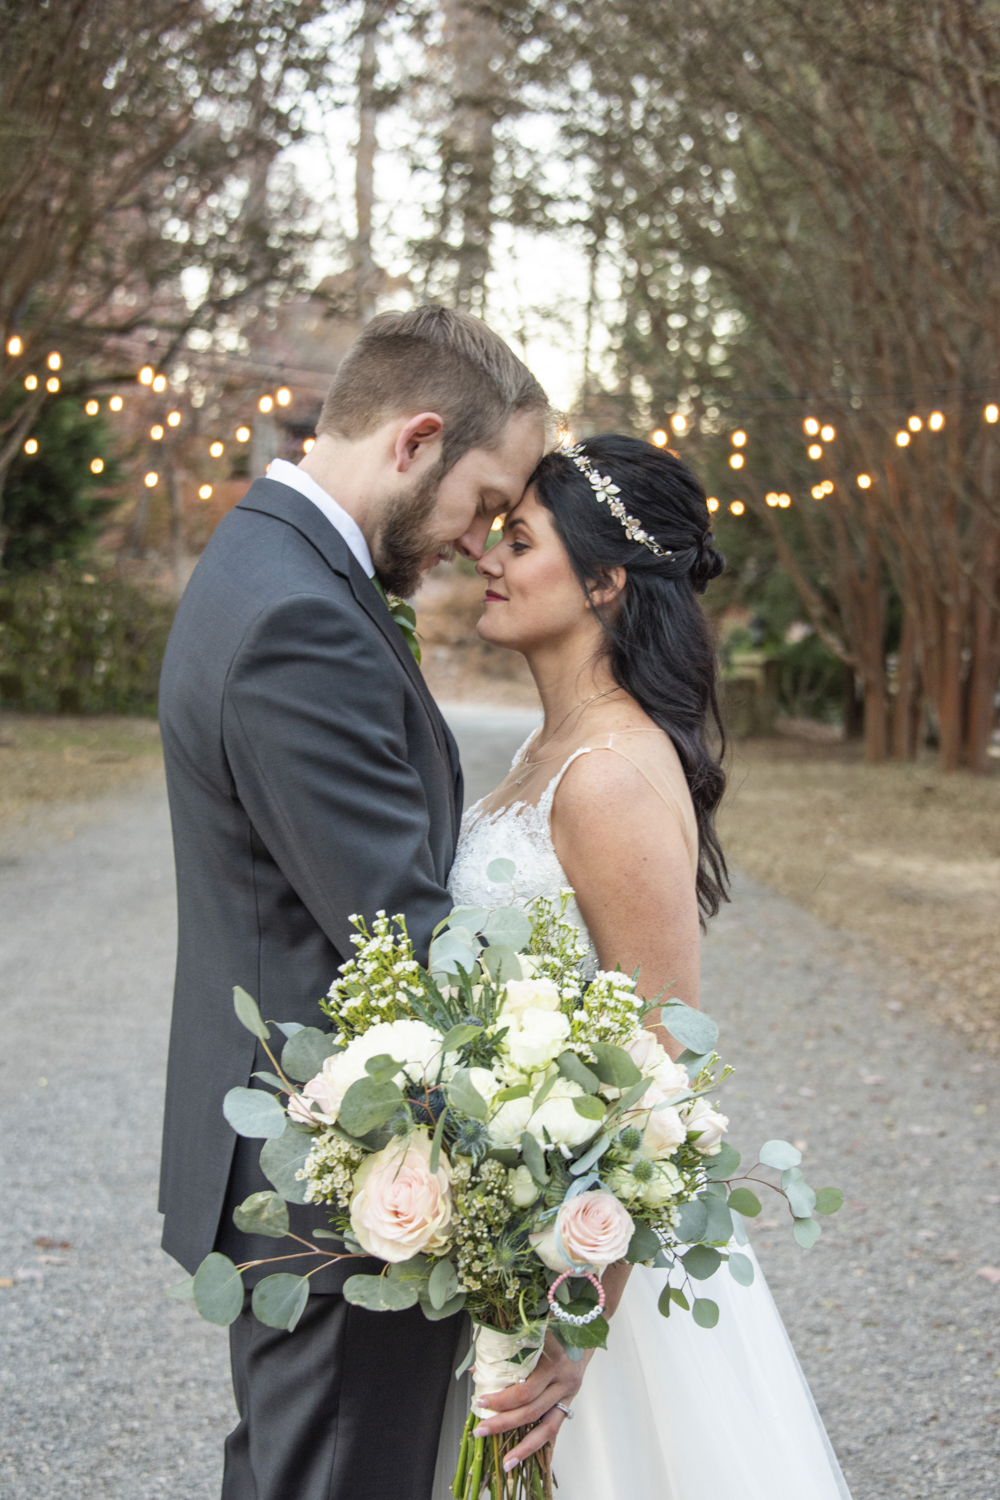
295, 478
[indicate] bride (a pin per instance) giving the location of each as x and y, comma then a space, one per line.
594, 582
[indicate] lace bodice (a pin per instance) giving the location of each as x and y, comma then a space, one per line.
520, 832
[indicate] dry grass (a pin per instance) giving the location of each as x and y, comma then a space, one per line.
901, 854
66, 758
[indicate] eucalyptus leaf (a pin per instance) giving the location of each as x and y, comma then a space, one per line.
587, 1336
368, 1104
182, 1291
744, 1202
453, 951
614, 1067
643, 1245
217, 1290
534, 1158
741, 1268
679, 1299
436, 1314
436, 1140
501, 962
509, 927
458, 1036
739, 1230
442, 1284
271, 1078
828, 1200
694, 1061
801, 1199
701, 1262
571, 1067
591, 1155
705, 1312
792, 1174
325, 1234
518, 1091
780, 1154
692, 1223
263, 1213
279, 1301
254, 1113
282, 1157
382, 1068
692, 1028
248, 1013
545, 1090
378, 1294
289, 1027
719, 1228
304, 1054
501, 871
807, 1232
589, 1107
633, 1095
465, 1097
470, 917
724, 1164
665, 1301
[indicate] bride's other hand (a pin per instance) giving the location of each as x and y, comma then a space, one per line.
555, 1378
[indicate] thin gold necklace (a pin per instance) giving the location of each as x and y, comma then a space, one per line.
526, 762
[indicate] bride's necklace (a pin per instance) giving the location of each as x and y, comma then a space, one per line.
527, 763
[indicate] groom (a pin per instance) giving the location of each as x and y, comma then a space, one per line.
311, 777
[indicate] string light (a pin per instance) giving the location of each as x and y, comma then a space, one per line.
903, 439
217, 450
96, 465
116, 403
156, 433
992, 413
828, 434
173, 419
660, 437
243, 434
818, 492
784, 501
205, 493
815, 451
679, 423
14, 345
736, 460
497, 524
31, 446
151, 479
160, 383
92, 408
145, 376
712, 504
265, 403
914, 424
308, 444
54, 361
771, 499
737, 507
284, 396
52, 384
864, 481
811, 426
739, 439
31, 382
936, 421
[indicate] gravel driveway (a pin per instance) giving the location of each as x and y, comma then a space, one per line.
111, 1390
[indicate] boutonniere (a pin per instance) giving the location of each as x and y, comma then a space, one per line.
405, 617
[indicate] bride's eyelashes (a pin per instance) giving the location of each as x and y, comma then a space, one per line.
517, 547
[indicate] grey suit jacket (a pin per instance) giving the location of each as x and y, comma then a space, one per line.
310, 777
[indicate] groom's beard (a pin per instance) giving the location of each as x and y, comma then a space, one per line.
404, 540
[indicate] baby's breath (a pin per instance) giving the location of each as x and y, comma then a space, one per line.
379, 983
329, 1170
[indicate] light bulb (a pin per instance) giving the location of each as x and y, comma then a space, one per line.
52, 384
151, 478
738, 439
811, 426
902, 438
31, 382
737, 507
173, 419
736, 460
659, 437
936, 421
828, 433
216, 450
914, 424
146, 375
308, 444
771, 499
284, 396
712, 504
864, 481
160, 383
116, 403
96, 465
54, 361
31, 446
679, 422
784, 501
156, 433
497, 523
14, 345
818, 492
91, 408
815, 451
265, 403
992, 413
243, 434
205, 493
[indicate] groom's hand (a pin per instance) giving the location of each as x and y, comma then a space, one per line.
555, 1378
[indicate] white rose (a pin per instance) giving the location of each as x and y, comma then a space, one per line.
655, 1062
536, 1038
710, 1126
528, 994
664, 1185
414, 1045
327, 1089
509, 1121
663, 1131
559, 1117
521, 1188
485, 1083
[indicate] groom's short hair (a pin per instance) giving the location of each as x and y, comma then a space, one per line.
431, 359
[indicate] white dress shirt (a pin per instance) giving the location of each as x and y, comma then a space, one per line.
297, 479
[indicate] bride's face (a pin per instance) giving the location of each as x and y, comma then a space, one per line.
533, 597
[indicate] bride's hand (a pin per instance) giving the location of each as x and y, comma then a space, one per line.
555, 1378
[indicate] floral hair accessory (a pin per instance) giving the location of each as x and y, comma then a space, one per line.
606, 493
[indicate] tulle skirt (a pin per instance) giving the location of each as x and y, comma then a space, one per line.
671, 1411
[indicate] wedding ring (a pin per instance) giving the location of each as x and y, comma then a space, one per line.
567, 1411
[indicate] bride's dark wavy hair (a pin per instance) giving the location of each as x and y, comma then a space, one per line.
659, 644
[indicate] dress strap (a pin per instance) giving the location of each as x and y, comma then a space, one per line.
546, 799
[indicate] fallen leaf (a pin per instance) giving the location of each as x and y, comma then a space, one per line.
990, 1274
44, 1243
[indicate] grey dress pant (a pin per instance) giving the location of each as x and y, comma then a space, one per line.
347, 1407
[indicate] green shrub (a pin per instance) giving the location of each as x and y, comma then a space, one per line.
74, 643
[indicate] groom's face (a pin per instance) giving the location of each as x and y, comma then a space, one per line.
453, 512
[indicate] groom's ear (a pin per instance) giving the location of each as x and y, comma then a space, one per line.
605, 588
417, 440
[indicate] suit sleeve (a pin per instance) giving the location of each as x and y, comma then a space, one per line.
314, 731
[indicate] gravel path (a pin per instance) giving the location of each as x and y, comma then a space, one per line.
111, 1390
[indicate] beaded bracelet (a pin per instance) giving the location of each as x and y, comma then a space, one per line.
577, 1319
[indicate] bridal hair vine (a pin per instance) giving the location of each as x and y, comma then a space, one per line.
607, 493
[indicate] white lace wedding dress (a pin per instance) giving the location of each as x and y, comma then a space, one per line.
669, 1411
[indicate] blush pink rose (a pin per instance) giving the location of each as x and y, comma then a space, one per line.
594, 1230
400, 1207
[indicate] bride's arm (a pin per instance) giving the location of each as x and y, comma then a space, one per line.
625, 856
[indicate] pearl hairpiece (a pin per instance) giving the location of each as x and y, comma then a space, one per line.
606, 493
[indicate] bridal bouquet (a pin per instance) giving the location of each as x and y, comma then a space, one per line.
497, 1130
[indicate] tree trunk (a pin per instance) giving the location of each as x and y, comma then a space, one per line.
854, 708
906, 708
985, 665
365, 269
950, 706
474, 42
178, 548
